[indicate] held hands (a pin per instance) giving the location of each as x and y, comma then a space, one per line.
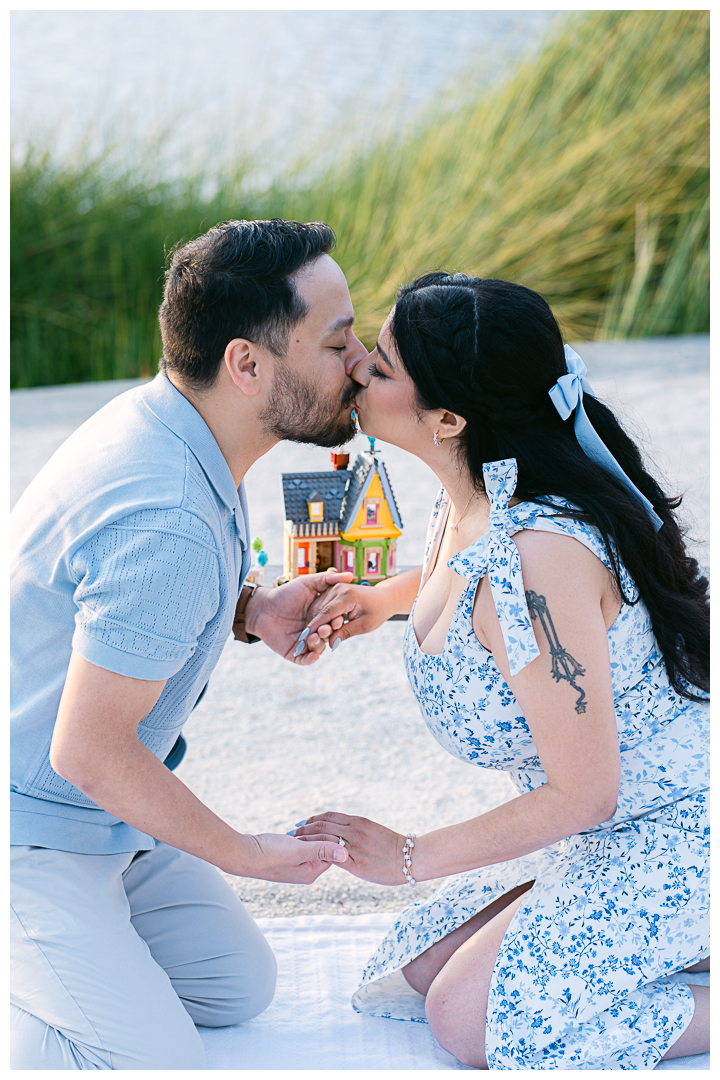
279, 616
346, 610
278, 857
374, 853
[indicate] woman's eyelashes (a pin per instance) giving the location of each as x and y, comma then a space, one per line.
374, 371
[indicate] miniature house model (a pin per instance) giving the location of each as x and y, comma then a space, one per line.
346, 518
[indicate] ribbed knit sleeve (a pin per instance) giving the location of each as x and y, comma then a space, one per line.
147, 585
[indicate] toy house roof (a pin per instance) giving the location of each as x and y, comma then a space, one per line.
341, 491
361, 477
327, 487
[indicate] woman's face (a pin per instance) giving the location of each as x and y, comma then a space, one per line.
385, 397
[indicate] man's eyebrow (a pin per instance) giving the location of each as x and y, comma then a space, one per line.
385, 356
341, 324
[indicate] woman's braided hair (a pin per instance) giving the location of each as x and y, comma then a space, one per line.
490, 351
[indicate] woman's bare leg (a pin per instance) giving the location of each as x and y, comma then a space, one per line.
695, 1039
421, 971
457, 1001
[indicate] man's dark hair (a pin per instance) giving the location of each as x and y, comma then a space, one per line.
235, 281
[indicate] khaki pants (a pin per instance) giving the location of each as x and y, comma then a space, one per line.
115, 958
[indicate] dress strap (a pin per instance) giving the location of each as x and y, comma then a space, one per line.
435, 534
501, 563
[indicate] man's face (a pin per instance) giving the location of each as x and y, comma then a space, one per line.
312, 393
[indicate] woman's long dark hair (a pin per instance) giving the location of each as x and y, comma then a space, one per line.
490, 351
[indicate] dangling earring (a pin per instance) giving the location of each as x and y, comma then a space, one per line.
436, 439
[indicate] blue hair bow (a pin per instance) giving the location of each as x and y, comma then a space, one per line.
567, 396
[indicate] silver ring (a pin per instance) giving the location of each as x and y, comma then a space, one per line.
341, 842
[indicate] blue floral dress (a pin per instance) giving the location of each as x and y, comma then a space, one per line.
579, 980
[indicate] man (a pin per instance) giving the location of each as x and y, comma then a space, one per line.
129, 552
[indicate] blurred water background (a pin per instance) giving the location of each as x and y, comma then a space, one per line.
229, 82
567, 151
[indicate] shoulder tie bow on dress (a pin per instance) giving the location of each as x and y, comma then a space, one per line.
500, 559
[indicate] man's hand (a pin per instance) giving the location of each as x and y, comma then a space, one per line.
280, 615
374, 853
283, 858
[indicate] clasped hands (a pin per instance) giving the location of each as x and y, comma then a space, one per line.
322, 604
374, 853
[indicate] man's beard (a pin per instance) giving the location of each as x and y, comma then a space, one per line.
296, 412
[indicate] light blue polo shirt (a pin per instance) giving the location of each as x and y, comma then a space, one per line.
130, 547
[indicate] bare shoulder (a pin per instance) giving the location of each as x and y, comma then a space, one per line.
562, 562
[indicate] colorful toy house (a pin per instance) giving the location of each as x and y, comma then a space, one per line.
344, 517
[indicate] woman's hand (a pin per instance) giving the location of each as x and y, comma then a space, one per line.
361, 608
374, 852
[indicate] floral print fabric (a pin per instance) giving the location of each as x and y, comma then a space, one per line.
579, 980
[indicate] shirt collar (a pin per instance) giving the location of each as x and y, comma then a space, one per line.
175, 411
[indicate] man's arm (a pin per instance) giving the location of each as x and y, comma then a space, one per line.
95, 746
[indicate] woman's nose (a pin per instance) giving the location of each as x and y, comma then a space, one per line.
359, 371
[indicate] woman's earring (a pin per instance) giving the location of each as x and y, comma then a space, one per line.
436, 438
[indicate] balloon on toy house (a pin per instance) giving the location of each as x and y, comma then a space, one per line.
257, 571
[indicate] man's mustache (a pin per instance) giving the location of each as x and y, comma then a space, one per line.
347, 398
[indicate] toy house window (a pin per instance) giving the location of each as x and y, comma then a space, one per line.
372, 511
372, 561
302, 556
315, 510
391, 558
349, 559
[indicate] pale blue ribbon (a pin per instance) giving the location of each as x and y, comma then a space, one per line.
566, 396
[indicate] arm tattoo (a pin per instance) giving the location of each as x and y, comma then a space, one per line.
564, 666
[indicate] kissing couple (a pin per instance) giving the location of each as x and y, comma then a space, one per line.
557, 630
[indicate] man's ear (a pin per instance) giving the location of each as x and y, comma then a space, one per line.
242, 360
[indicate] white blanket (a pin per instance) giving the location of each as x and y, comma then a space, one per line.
311, 1024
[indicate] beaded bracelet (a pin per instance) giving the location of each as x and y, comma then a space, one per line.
407, 858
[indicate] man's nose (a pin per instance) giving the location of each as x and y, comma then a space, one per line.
354, 355
360, 370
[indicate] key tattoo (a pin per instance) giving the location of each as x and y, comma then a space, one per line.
564, 666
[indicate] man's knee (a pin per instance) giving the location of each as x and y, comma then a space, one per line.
238, 996
259, 995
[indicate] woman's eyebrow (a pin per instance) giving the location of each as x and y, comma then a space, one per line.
385, 356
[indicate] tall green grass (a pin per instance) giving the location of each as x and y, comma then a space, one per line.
584, 176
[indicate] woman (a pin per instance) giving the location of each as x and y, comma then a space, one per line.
559, 632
